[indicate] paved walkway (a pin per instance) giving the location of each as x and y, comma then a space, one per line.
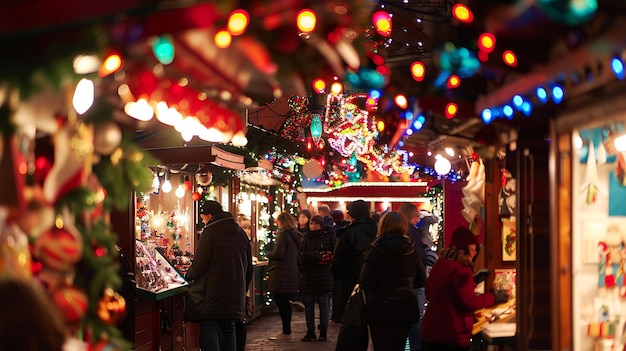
269, 325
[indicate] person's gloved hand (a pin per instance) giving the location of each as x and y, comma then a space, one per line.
481, 276
501, 296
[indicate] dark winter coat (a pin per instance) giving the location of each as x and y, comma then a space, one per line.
352, 243
315, 277
451, 300
283, 263
391, 272
221, 270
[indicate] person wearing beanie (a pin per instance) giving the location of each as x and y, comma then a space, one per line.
451, 298
220, 275
352, 241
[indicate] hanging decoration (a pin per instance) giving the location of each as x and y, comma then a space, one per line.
299, 118
316, 127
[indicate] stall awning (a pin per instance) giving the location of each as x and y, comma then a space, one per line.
370, 191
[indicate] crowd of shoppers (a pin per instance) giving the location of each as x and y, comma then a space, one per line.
320, 258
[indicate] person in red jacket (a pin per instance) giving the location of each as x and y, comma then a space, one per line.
448, 322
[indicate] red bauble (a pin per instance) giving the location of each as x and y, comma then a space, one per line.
71, 302
58, 249
195, 196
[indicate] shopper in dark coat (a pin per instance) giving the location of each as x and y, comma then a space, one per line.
412, 216
449, 321
283, 270
391, 272
352, 242
315, 280
220, 274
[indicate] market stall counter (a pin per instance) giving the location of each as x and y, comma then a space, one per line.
159, 314
496, 325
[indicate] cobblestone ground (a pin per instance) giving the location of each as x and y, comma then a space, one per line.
269, 325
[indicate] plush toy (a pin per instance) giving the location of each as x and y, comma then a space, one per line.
611, 259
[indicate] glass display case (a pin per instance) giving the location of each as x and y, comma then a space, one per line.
156, 277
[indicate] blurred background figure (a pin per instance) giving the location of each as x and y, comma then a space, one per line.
338, 220
283, 270
304, 216
324, 211
352, 242
315, 281
391, 272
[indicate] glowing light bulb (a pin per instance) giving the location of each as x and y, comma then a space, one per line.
306, 20
223, 39
84, 96
167, 186
180, 191
238, 22
418, 71
462, 13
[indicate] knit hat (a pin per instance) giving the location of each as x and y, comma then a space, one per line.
462, 237
359, 208
211, 207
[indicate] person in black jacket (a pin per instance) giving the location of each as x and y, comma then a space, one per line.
283, 270
315, 281
391, 272
220, 274
352, 242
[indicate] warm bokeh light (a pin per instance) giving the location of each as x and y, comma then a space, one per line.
380, 126
306, 20
382, 23
223, 39
319, 85
401, 101
453, 81
111, 64
418, 70
509, 58
336, 88
238, 22
451, 110
486, 42
462, 13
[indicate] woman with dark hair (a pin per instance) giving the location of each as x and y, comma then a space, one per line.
391, 272
304, 216
283, 270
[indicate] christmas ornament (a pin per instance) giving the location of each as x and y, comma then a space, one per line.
106, 138
71, 302
111, 307
204, 177
59, 249
66, 173
37, 218
195, 196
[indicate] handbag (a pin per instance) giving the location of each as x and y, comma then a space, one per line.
354, 332
191, 312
